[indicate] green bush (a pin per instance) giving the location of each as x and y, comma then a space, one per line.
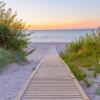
5, 57
20, 56
80, 75
94, 74
12, 35
77, 72
84, 52
96, 69
12, 30
81, 54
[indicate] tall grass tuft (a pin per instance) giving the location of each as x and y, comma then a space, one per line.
13, 38
5, 58
83, 53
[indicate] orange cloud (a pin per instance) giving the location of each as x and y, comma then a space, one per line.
80, 24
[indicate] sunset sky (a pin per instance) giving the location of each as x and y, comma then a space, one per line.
58, 14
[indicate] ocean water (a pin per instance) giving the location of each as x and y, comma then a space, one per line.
58, 35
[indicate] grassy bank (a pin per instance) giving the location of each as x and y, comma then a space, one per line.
83, 55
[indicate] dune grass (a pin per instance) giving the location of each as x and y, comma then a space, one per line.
83, 53
5, 58
13, 39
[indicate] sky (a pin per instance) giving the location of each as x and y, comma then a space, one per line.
58, 14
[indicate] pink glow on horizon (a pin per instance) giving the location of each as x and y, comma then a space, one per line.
74, 25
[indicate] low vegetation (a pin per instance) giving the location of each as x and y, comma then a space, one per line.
83, 54
13, 38
5, 57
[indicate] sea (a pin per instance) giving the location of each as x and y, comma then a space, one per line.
64, 36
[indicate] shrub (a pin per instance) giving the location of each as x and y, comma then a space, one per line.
20, 56
5, 58
12, 35
94, 74
96, 69
12, 30
83, 53
80, 75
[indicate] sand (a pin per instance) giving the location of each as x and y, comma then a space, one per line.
14, 75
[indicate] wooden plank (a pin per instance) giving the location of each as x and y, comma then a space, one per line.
51, 88
52, 98
52, 82
64, 93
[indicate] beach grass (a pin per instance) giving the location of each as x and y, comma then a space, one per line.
5, 58
13, 39
83, 54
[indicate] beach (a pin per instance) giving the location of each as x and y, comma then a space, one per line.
49, 45
13, 76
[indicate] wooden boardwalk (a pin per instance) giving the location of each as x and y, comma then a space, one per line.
52, 80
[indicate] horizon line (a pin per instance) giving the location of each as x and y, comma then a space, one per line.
65, 29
